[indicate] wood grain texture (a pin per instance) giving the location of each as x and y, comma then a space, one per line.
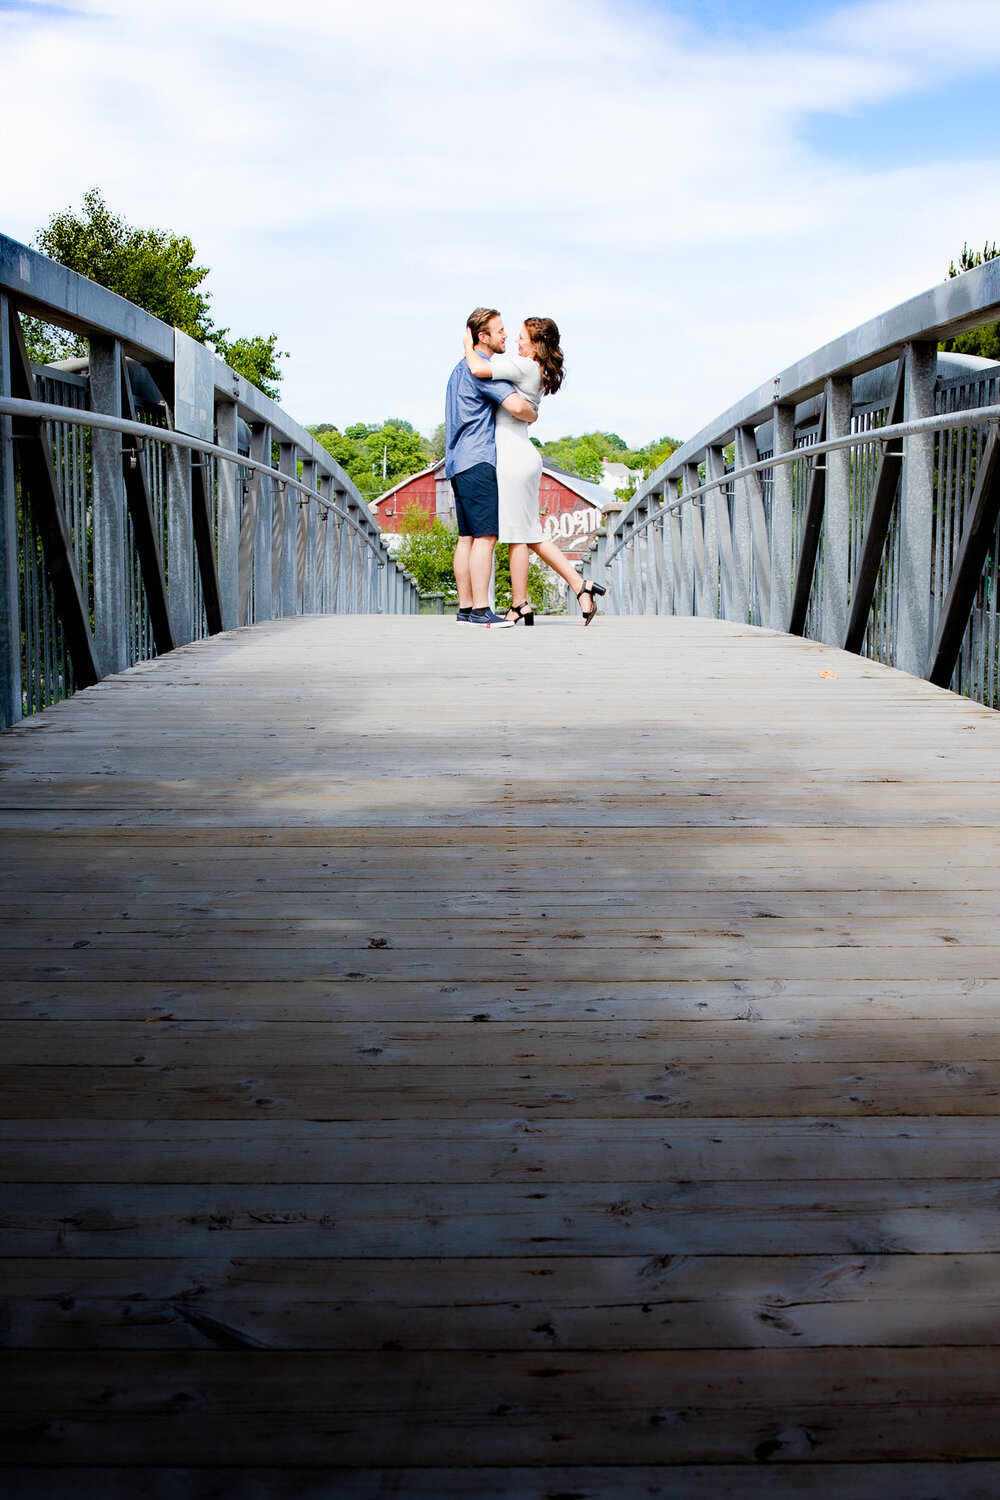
445, 1064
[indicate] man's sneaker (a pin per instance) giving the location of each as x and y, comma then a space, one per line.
488, 617
463, 616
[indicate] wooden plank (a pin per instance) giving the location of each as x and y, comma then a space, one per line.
607, 1302
612, 966
918, 913
912, 1216
114, 932
510, 1151
772, 1480
432, 1408
566, 1046
365, 1091
490, 1001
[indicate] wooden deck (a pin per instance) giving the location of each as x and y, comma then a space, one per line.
455, 1064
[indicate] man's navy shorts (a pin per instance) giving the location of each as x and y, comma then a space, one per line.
477, 503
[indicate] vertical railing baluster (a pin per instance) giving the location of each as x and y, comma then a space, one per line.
835, 583
344, 605
306, 553
665, 550
10, 613
734, 602
753, 495
916, 505
260, 452
229, 537
680, 601
782, 511
110, 623
655, 559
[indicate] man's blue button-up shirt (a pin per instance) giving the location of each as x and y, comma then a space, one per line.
469, 419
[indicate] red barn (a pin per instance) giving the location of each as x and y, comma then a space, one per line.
571, 508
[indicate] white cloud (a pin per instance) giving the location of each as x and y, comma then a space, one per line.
357, 176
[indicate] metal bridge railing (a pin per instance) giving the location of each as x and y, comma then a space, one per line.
141, 504
854, 500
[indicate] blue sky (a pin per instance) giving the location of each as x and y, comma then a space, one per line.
699, 193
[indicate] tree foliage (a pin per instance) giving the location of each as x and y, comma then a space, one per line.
376, 456
983, 341
585, 455
156, 270
428, 549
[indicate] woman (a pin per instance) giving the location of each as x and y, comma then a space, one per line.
536, 370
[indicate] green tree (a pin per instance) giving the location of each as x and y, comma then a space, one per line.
375, 457
156, 270
983, 341
428, 549
255, 357
585, 455
435, 443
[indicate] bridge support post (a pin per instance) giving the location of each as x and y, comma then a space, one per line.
599, 565
371, 575
644, 602
679, 577
782, 547
345, 532
916, 496
111, 626
664, 570
305, 545
180, 543
354, 553
739, 510
260, 451
328, 535
612, 518
837, 516
10, 614
367, 561
227, 479
692, 549
655, 560
746, 453
286, 514
734, 583
324, 523
633, 574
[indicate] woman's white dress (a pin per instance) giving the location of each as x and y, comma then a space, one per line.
519, 463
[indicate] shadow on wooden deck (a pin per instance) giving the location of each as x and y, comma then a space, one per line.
539, 1065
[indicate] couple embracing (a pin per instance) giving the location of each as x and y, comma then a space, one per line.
495, 468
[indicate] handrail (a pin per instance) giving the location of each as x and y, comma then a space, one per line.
963, 418
11, 406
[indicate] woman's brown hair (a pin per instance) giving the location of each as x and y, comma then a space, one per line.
544, 336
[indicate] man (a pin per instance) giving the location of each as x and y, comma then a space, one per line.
471, 465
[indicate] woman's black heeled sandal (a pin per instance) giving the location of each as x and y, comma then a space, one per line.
590, 589
522, 613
